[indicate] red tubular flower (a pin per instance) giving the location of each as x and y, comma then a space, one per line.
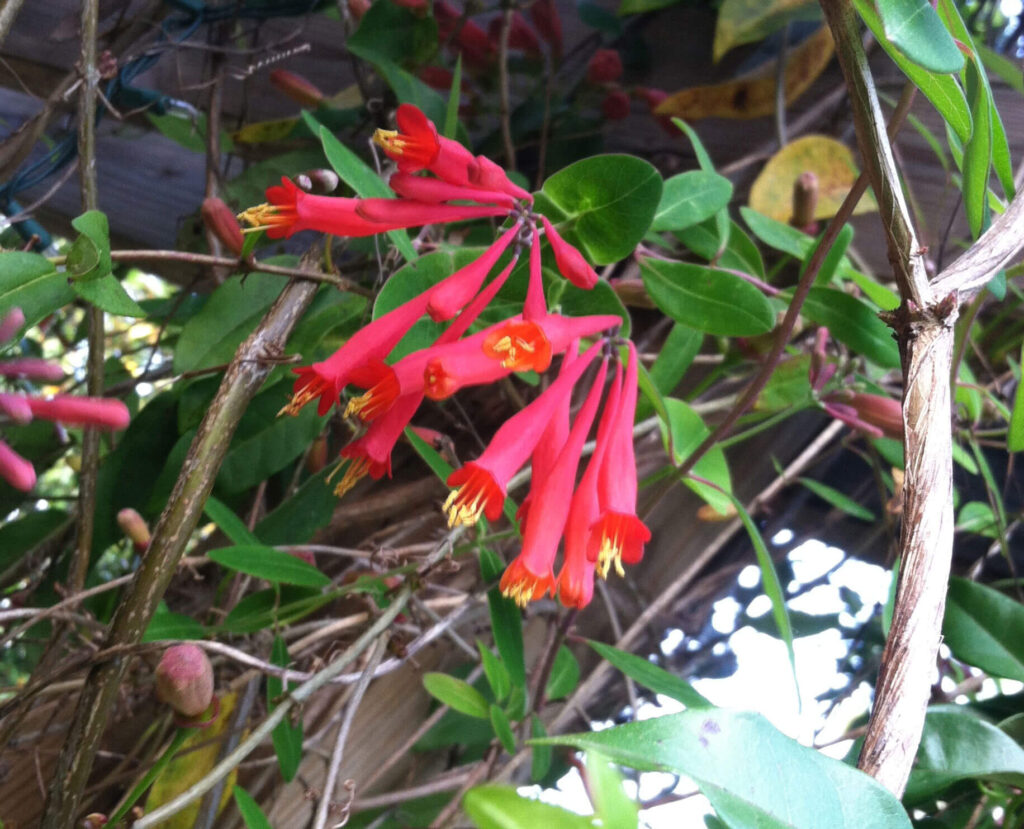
619, 535
615, 106
536, 306
479, 487
14, 469
488, 175
544, 14
16, 407
81, 411
605, 67
326, 379
11, 324
576, 579
451, 295
872, 414
425, 189
371, 453
389, 214
531, 574
416, 146
520, 35
570, 261
524, 346
289, 210
34, 367
301, 90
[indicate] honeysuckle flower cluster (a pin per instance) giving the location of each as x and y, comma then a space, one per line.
438, 180
20, 408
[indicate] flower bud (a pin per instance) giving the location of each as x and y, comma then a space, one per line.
220, 220
304, 555
521, 37
94, 821
135, 527
615, 106
604, 67
319, 181
296, 87
544, 14
357, 8
11, 324
884, 413
14, 469
184, 679
99, 412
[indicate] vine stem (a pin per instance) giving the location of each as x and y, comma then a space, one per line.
245, 375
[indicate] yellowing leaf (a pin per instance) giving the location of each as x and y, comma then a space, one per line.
753, 95
261, 132
831, 161
191, 765
746, 21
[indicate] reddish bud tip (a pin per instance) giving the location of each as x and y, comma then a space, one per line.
220, 220
184, 679
304, 555
135, 527
604, 67
615, 106
296, 87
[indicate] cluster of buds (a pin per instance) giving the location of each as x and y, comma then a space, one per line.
606, 528
871, 414
604, 71
23, 408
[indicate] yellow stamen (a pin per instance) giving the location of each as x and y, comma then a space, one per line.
265, 216
610, 553
390, 140
357, 470
462, 512
511, 346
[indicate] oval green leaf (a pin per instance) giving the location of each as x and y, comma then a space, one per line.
651, 676
982, 627
270, 564
853, 323
707, 299
689, 198
501, 807
914, 27
458, 695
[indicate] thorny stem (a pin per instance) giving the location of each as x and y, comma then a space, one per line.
242, 380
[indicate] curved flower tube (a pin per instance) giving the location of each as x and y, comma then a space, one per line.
451, 295
370, 454
289, 210
570, 261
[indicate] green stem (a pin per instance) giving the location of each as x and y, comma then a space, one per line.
154, 772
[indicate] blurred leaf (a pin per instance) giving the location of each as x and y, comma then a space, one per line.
941, 89
982, 628
358, 175
230, 524
456, 694
250, 810
274, 606
641, 6
166, 625
690, 198
20, 535
270, 564
451, 113
502, 729
684, 433
838, 499
189, 132
31, 282
977, 152
787, 387
1002, 67
957, 745
747, 21
506, 620
612, 805
752, 774
295, 520
914, 27
977, 517
109, 295
495, 671
831, 161
500, 807
394, 33
540, 756
853, 323
707, 299
651, 676
753, 95
287, 738
567, 299
565, 674
1015, 436
607, 204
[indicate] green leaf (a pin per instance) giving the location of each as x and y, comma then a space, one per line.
395, 33
607, 203
914, 27
274, 606
295, 520
21, 535
1015, 436
540, 759
707, 299
977, 517
30, 282
358, 175
571, 301
777, 235
409, 89
612, 805
287, 738
957, 746
838, 499
495, 671
689, 198
230, 524
270, 564
737, 252
500, 807
506, 619
89, 257
853, 323
722, 222
676, 355
748, 21
752, 774
166, 625
109, 295
233, 310
651, 676
641, 6
458, 695
982, 628
833, 259
683, 433
941, 89
451, 113
978, 151
565, 674
502, 729
250, 810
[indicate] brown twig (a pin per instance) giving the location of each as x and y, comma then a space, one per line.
503, 86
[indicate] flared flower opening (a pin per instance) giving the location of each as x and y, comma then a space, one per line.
617, 538
519, 346
311, 385
477, 494
376, 400
277, 219
414, 145
522, 585
360, 464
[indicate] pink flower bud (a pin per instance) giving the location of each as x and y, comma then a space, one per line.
33, 367
16, 407
604, 67
14, 469
615, 106
296, 87
884, 413
304, 555
11, 323
184, 679
135, 527
544, 14
220, 219
82, 411
570, 261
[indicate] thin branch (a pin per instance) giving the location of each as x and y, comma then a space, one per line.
503, 86
7, 15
